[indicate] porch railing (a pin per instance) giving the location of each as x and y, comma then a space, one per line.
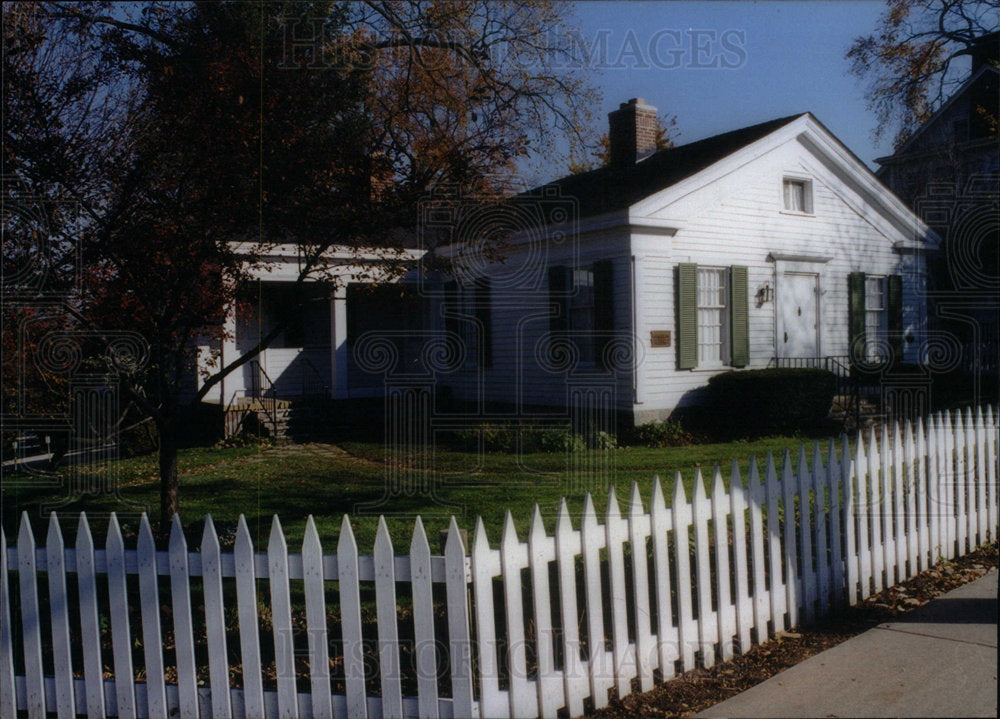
264, 400
848, 385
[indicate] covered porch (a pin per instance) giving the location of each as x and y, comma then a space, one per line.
312, 355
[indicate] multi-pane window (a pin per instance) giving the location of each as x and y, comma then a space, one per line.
797, 195
582, 310
713, 329
876, 317
468, 319
582, 318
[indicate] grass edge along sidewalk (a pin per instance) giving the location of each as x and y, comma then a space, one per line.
700, 689
962, 441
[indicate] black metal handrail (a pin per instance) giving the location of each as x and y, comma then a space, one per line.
264, 394
841, 367
267, 396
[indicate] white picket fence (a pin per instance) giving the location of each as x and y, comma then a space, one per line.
613, 606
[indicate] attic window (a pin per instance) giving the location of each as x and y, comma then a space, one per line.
797, 196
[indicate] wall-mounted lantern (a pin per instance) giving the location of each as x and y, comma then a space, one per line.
765, 294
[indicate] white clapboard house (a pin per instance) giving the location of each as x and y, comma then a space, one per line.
772, 245
621, 289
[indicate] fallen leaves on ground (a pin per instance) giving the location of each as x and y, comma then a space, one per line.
698, 689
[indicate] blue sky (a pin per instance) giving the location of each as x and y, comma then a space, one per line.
719, 66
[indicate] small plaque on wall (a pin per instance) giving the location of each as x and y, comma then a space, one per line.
659, 338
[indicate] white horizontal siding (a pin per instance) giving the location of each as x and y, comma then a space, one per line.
520, 319
739, 221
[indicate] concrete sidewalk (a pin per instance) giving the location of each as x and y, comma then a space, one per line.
940, 661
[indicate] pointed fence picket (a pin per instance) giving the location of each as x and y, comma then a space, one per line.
62, 658
614, 605
388, 630
820, 488
30, 621
687, 629
742, 598
921, 490
8, 699
121, 636
149, 602
456, 576
350, 618
93, 664
486, 564
281, 622
761, 595
514, 558
726, 612
667, 642
599, 662
638, 532
180, 596
838, 527
245, 570
567, 548
624, 657
707, 629
982, 512
541, 550
215, 620
991, 430
803, 481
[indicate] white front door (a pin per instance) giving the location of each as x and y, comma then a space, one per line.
798, 319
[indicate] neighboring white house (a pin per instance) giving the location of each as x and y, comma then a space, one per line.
626, 288
948, 172
312, 356
644, 278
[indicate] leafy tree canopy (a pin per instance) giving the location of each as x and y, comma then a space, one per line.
920, 53
191, 137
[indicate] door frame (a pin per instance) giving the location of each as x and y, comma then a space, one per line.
787, 264
779, 336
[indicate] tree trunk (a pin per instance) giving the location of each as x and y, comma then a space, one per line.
169, 505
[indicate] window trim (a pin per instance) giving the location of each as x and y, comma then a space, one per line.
725, 310
582, 302
808, 195
575, 300
735, 343
881, 333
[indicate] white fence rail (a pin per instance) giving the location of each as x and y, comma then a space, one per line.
520, 630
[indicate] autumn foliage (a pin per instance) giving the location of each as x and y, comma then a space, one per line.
193, 136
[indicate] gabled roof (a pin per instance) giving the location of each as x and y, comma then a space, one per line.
607, 189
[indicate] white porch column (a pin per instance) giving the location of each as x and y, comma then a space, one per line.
233, 382
338, 343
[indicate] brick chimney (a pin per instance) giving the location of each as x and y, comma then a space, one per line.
632, 132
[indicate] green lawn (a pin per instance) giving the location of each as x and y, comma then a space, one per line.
327, 481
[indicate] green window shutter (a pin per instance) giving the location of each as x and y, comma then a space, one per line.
604, 309
856, 315
484, 318
894, 306
558, 294
739, 317
687, 316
